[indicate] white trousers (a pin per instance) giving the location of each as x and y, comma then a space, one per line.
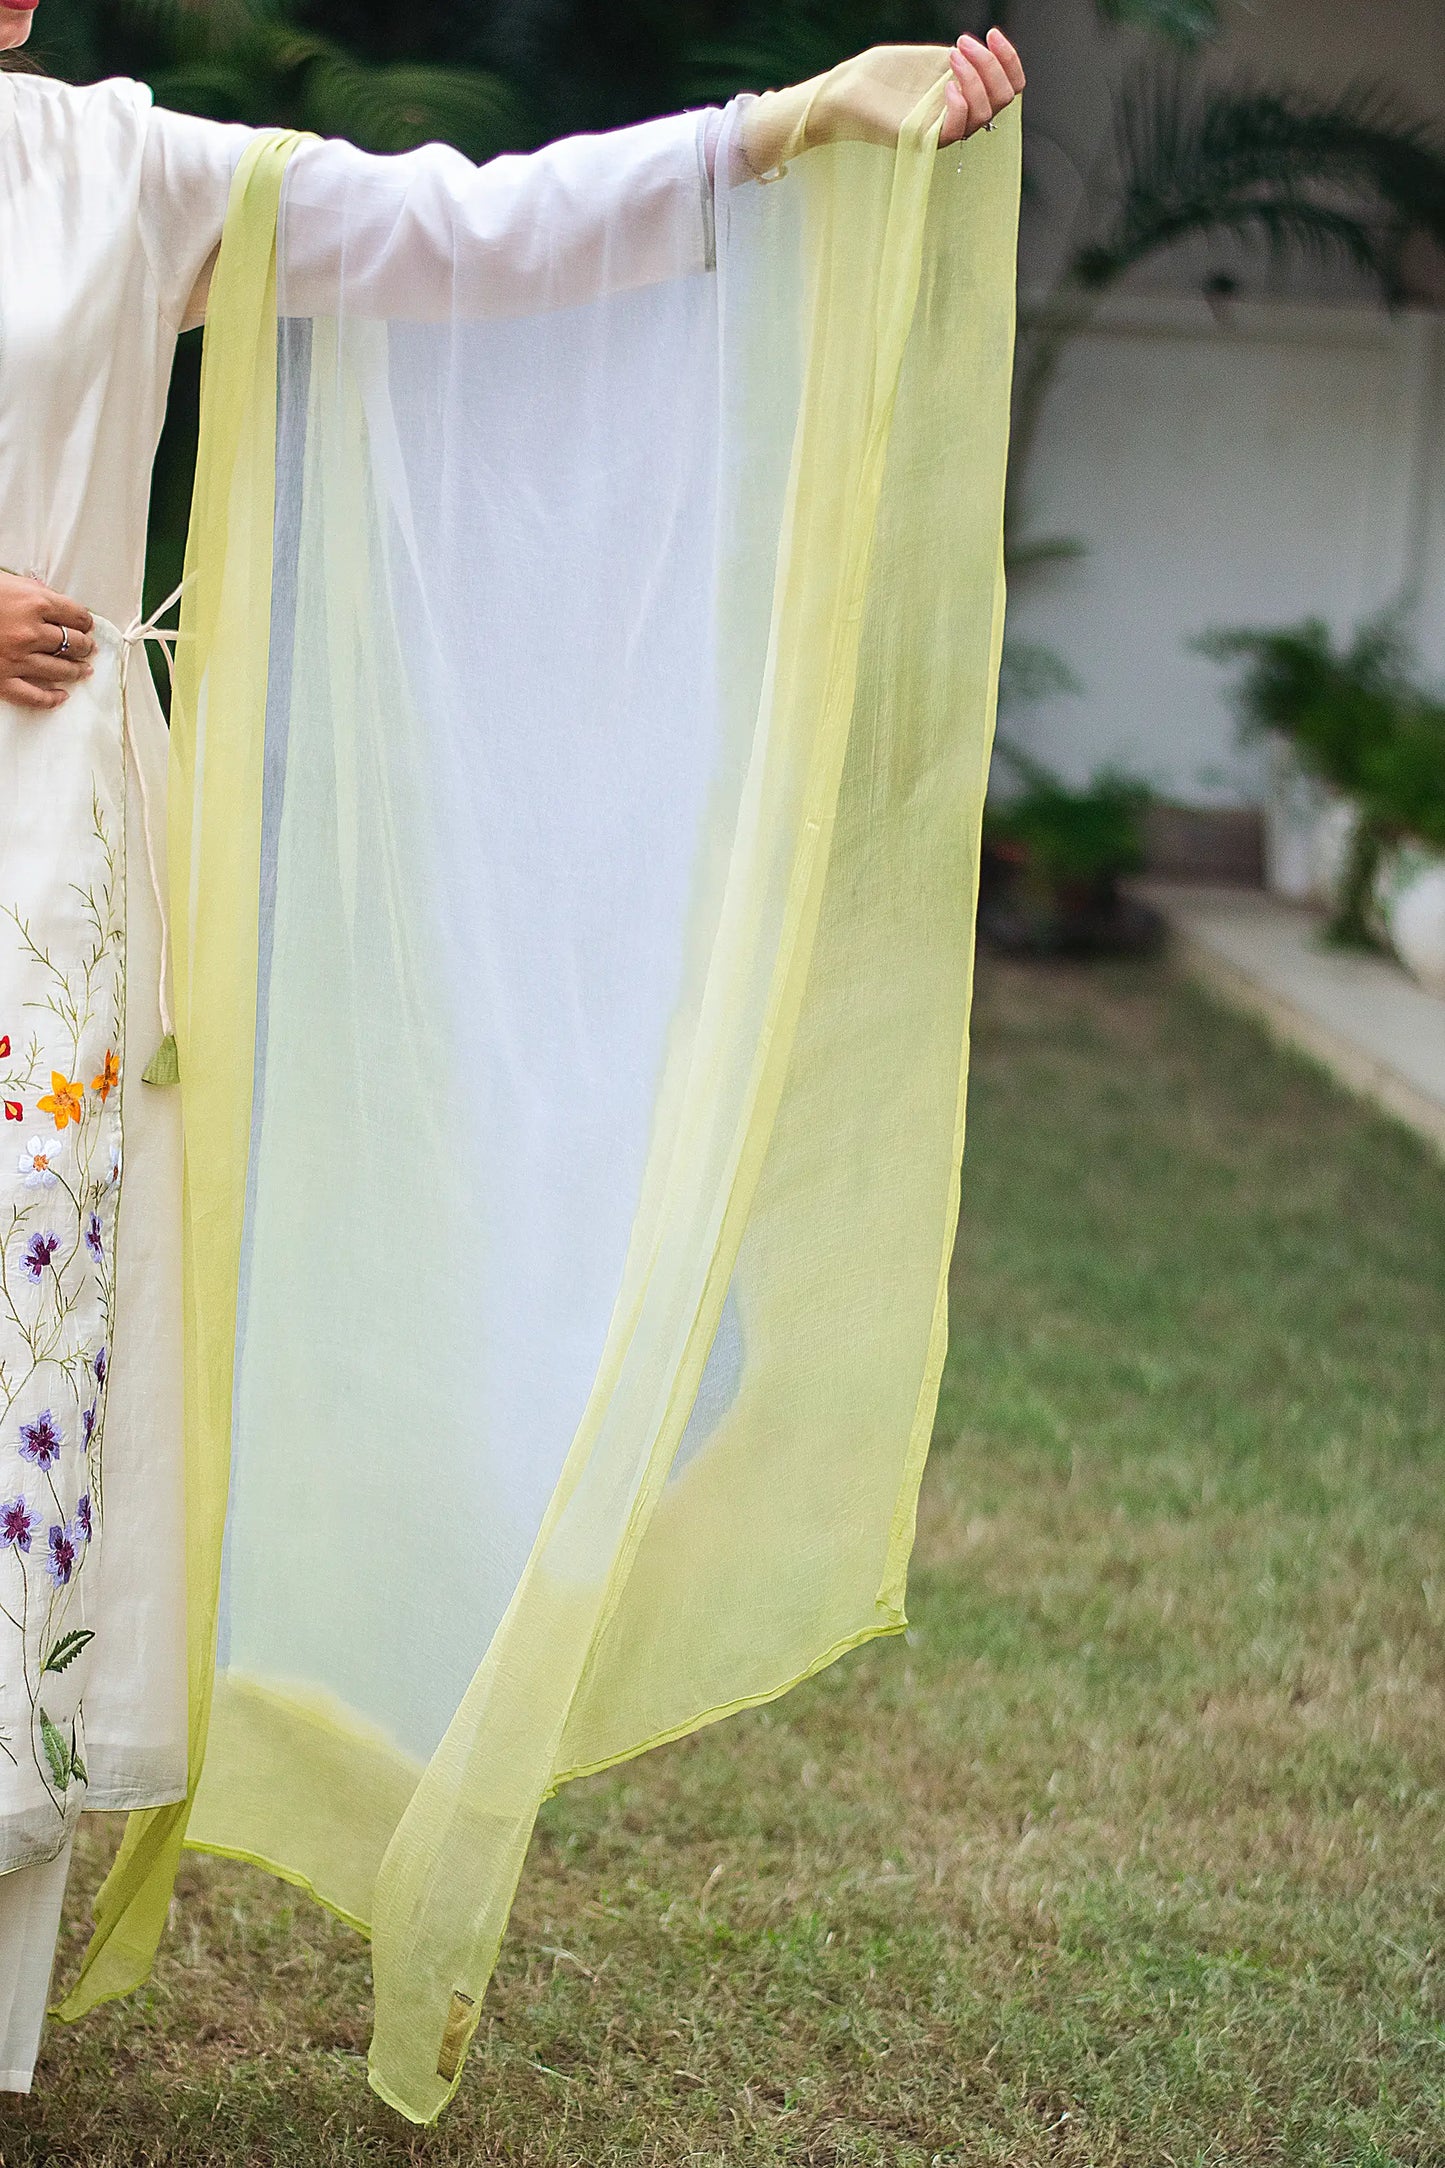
30, 1902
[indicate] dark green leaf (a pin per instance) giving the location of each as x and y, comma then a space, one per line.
57, 1753
66, 1649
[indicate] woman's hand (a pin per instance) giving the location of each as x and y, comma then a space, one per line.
986, 78
45, 643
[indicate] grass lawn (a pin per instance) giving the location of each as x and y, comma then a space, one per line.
1131, 1854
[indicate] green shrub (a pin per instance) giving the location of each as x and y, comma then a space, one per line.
1086, 836
1358, 720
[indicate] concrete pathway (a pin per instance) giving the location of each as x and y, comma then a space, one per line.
1362, 1016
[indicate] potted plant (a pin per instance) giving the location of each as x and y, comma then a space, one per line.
1366, 735
1406, 797
1334, 709
1053, 861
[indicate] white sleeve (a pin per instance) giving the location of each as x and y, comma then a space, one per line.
427, 235
185, 185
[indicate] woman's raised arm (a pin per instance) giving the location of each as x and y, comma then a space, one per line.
427, 235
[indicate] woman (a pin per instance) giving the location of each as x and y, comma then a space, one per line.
111, 214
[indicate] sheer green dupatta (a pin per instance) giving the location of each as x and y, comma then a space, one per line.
434, 1613
738, 1506
214, 822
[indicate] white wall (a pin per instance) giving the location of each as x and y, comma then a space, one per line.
1283, 463
1283, 459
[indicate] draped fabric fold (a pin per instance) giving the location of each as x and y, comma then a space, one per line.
582, 721
213, 792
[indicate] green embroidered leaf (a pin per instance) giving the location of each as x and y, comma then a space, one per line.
77, 1768
66, 1649
57, 1753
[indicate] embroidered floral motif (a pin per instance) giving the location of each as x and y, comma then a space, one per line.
41, 1441
63, 963
17, 1525
61, 1563
39, 1252
38, 1163
65, 1101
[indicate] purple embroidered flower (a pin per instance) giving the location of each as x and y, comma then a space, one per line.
81, 1525
38, 1252
93, 1240
17, 1524
87, 1423
41, 1440
61, 1563
99, 1367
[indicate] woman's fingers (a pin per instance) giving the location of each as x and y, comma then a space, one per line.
46, 643
62, 611
73, 625
990, 70
972, 95
48, 670
987, 77
22, 695
1003, 51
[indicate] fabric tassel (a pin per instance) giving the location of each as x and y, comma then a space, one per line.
164, 1066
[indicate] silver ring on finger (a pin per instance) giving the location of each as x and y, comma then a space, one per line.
64, 647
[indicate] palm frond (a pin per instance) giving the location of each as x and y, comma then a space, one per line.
255, 61
1337, 177
395, 108
1183, 22
220, 89
1030, 672
1042, 551
772, 45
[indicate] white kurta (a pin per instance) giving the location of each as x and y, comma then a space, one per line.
109, 212
99, 246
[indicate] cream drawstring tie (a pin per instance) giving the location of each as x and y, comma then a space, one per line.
164, 1065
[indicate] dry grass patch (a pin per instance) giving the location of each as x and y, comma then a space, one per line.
1128, 1858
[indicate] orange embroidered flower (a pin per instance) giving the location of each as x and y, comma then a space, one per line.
63, 1099
104, 1084
4, 1044
14, 1111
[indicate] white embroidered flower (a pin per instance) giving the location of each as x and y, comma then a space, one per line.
37, 1162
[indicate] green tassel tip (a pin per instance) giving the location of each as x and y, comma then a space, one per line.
164, 1066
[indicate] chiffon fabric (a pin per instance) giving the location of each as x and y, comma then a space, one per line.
110, 211
585, 695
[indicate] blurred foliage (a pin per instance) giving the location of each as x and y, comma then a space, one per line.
1358, 720
1086, 836
1350, 178
1335, 706
487, 76
266, 63
1347, 178
505, 74
1186, 22
1344, 179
